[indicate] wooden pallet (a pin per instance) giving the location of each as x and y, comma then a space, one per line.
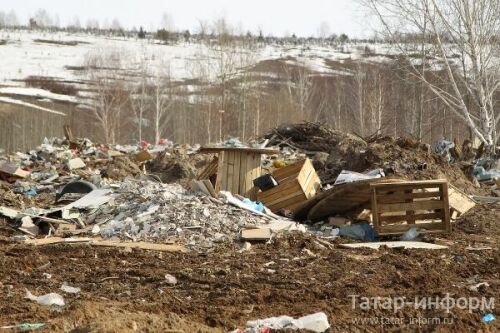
297, 183
397, 207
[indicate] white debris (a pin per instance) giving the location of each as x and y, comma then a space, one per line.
69, 289
151, 211
47, 299
170, 279
317, 322
76, 163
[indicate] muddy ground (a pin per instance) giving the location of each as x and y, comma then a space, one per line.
126, 291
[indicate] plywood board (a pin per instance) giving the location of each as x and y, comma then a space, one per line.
256, 234
459, 201
107, 243
395, 244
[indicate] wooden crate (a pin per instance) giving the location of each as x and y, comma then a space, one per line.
297, 183
397, 207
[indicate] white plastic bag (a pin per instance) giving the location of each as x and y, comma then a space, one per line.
47, 299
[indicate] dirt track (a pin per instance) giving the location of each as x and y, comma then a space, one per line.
126, 291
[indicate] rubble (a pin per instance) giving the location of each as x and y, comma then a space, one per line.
145, 210
334, 151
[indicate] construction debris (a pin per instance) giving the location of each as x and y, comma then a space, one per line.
395, 244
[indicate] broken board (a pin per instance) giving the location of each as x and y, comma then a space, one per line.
107, 243
395, 244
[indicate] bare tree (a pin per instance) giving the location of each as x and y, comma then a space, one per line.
167, 22
323, 31
139, 96
300, 87
11, 19
163, 100
109, 93
467, 28
92, 24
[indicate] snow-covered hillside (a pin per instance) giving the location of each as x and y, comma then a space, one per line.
56, 54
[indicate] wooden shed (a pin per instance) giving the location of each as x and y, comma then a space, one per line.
237, 168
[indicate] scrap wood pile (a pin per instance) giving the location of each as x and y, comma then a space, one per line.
333, 151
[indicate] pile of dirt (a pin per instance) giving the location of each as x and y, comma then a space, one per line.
120, 168
333, 151
172, 166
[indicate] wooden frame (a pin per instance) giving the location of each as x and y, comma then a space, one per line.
426, 201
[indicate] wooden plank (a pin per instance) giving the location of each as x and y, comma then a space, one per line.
395, 198
257, 172
141, 245
280, 190
288, 171
289, 193
56, 240
256, 234
444, 197
236, 175
221, 173
249, 175
230, 171
210, 187
305, 176
402, 228
416, 183
410, 214
400, 218
268, 151
209, 170
313, 186
417, 205
459, 201
375, 213
287, 202
243, 174
395, 244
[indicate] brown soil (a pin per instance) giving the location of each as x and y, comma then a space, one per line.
126, 291
175, 165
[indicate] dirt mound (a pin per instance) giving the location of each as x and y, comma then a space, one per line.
120, 168
172, 166
333, 151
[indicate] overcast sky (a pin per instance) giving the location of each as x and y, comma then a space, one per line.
302, 17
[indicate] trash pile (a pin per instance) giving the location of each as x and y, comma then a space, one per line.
168, 193
150, 211
333, 152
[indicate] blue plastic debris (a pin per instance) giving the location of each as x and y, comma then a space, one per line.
31, 192
258, 206
489, 317
25, 326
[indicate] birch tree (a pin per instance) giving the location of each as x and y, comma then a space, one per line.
139, 96
162, 99
460, 31
109, 92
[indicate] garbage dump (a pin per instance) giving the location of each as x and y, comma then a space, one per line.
294, 206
